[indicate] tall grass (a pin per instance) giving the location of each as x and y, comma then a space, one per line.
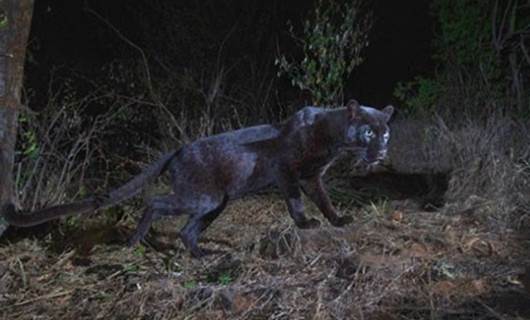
486, 160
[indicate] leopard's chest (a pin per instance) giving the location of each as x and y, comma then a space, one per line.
313, 164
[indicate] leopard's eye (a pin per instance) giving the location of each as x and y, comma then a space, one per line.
369, 133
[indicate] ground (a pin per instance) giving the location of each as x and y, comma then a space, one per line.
397, 261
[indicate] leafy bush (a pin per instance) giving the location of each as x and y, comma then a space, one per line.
331, 43
481, 51
419, 94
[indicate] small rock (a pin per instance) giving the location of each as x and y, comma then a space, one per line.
397, 216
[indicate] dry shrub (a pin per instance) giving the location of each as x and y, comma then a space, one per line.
60, 149
409, 151
486, 164
486, 159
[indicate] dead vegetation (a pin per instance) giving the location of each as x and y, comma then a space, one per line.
445, 235
485, 160
393, 263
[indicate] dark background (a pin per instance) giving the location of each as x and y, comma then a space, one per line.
65, 34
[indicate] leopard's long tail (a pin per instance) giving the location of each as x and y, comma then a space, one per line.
127, 191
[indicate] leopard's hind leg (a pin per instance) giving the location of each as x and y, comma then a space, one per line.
198, 222
157, 207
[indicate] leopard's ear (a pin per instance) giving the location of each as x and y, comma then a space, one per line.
353, 108
388, 111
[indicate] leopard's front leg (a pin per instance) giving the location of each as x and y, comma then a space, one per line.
289, 185
314, 188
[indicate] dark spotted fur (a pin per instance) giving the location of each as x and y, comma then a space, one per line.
207, 173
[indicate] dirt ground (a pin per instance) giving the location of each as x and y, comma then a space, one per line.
397, 261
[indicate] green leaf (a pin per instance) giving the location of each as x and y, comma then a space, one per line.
3, 20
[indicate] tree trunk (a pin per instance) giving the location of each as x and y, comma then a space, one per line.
15, 22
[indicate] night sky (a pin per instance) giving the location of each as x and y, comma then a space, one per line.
65, 34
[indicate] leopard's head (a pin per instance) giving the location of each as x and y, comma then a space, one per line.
367, 133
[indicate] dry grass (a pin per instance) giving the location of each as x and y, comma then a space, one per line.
396, 262
486, 160
392, 264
